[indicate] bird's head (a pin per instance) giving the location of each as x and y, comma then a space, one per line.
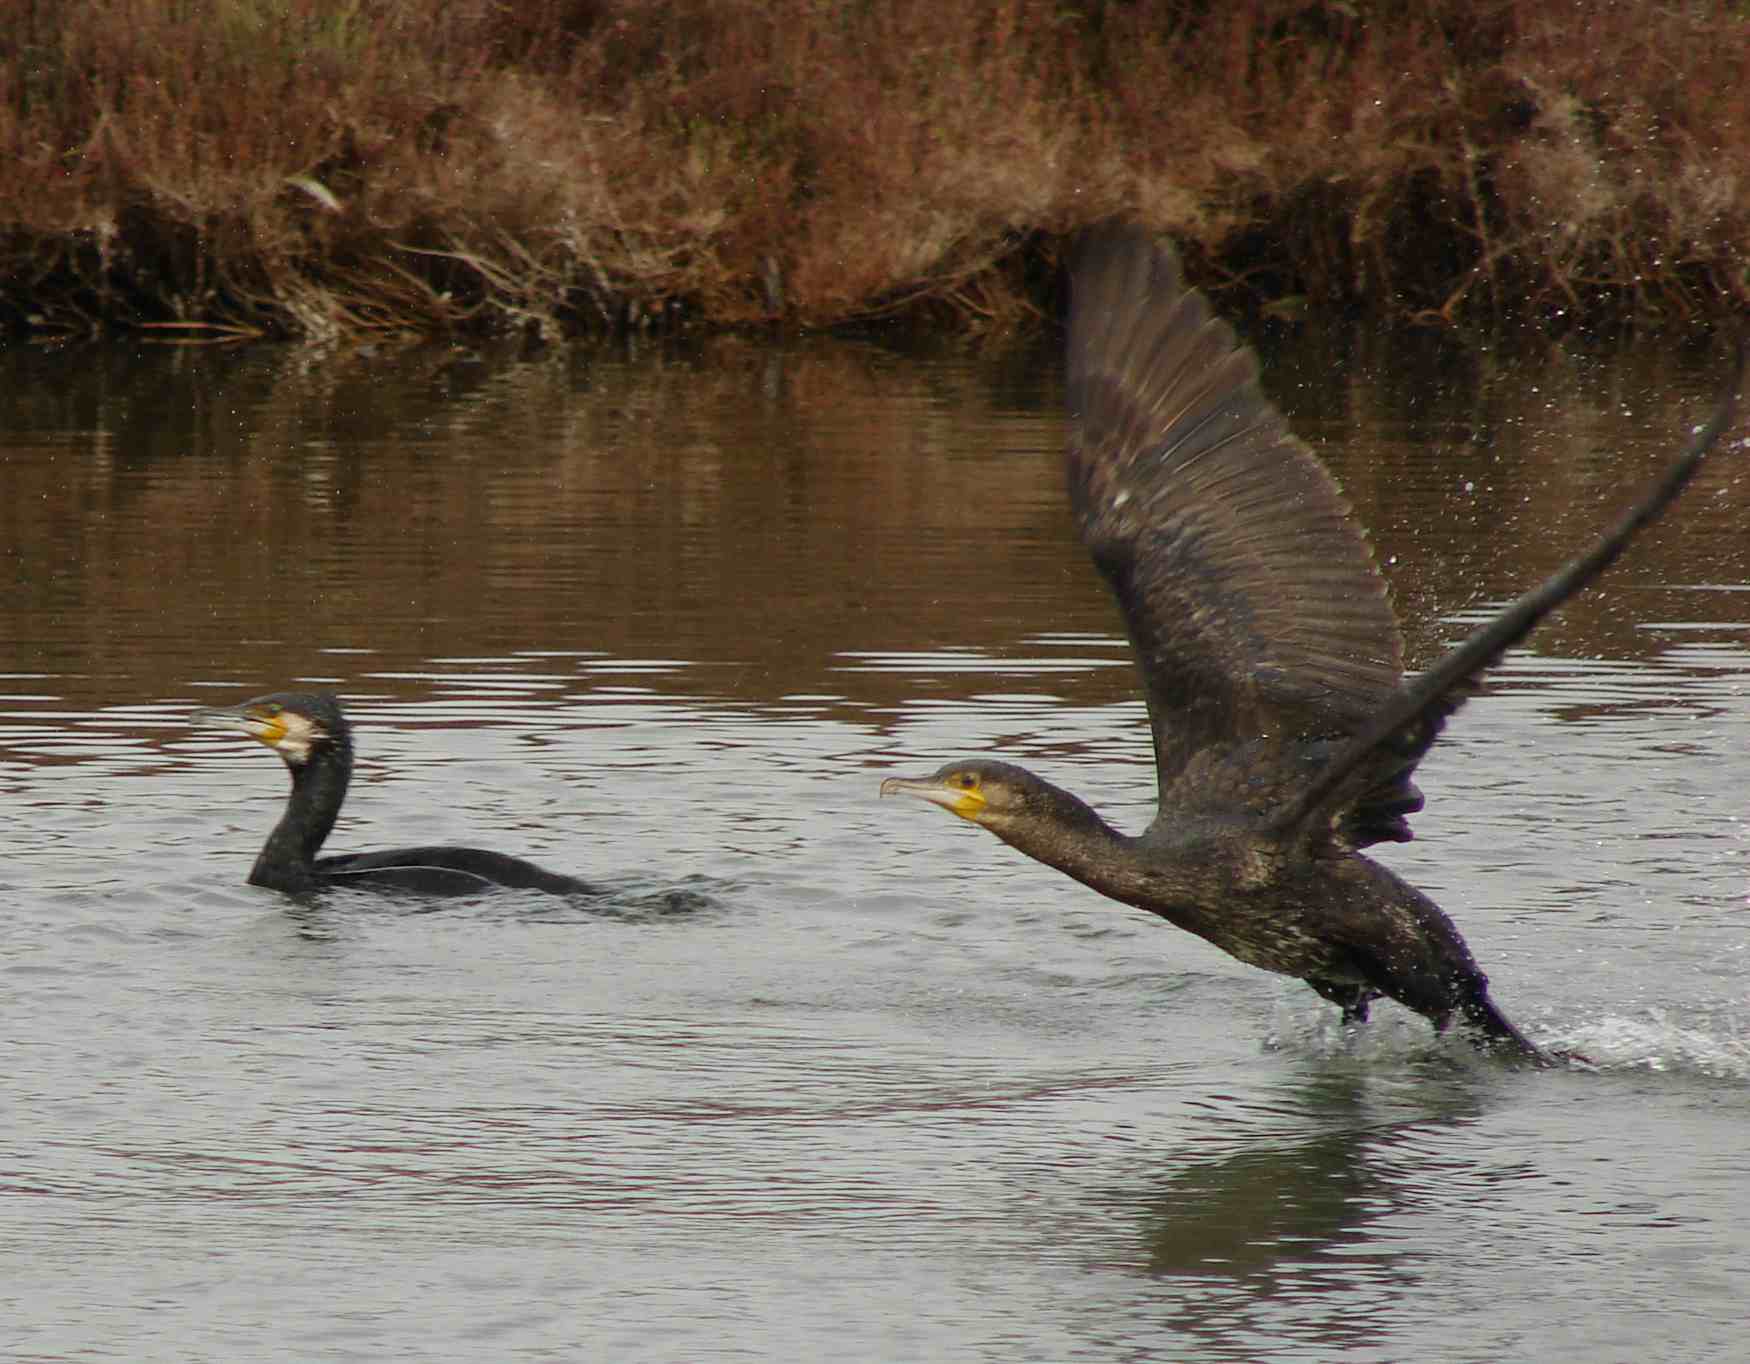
980, 790
295, 725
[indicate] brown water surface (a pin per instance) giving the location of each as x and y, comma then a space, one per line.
825, 1077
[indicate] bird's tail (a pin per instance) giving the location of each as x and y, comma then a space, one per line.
1490, 1031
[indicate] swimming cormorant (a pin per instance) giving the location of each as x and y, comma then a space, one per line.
1285, 734
308, 730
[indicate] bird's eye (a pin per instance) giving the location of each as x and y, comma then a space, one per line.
966, 781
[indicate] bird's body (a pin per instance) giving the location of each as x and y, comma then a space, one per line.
311, 733
1285, 734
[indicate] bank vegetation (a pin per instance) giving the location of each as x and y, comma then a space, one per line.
332, 167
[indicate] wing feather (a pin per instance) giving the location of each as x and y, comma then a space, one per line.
1259, 620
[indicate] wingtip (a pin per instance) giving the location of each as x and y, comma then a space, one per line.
1725, 413
1130, 246
1740, 371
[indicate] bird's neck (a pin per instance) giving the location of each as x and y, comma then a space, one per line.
1077, 842
318, 788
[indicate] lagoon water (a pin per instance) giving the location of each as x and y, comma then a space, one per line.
825, 1076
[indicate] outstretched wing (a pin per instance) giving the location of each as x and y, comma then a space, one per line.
1393, 741
1261, 626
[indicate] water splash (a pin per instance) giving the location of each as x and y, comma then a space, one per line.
1661, 1041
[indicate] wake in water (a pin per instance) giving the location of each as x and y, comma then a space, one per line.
1700, 1042
1660, 1040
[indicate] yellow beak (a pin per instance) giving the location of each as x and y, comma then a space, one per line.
966, 802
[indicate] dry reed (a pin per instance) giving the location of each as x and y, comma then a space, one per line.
321, 167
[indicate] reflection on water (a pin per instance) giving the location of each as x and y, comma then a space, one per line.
822, 1076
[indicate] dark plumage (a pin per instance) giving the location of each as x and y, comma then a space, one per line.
1285, 734
308, 730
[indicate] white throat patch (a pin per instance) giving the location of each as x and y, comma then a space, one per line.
298, 734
